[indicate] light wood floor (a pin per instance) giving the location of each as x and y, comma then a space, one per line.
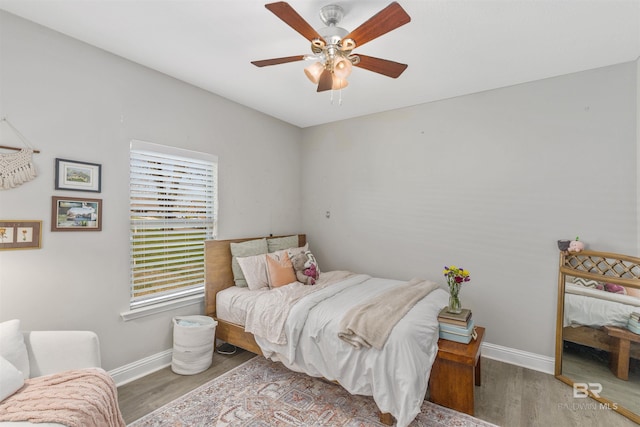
510, 396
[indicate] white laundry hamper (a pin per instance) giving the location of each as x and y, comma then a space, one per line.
193, 338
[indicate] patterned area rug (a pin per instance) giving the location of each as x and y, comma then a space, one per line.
264, 393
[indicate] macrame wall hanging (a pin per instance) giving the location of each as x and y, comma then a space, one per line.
16, 168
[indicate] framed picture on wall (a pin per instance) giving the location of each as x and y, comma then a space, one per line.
78, 176
76, 214
20, 234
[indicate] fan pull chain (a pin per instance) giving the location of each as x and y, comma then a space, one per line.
339, 98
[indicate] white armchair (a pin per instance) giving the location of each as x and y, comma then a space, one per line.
48, 352
56, 351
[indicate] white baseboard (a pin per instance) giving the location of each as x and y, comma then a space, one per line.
516, 357
142, 367
148, 365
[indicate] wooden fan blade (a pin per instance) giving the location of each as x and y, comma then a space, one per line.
276, 61
285, 12
389, 18
381, 66
326, 81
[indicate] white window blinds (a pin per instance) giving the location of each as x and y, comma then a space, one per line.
173, 205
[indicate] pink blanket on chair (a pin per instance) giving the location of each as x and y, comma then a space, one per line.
82, 398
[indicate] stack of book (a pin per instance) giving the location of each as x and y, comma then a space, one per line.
457, 327
634, 322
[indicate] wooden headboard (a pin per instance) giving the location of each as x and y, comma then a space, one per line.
218, 273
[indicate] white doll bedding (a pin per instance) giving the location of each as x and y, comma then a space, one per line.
595, 308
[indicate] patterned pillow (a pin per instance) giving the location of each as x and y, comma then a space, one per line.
587, 283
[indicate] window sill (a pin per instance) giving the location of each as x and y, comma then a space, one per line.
161, 307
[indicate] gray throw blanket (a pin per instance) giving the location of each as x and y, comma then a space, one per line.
370, 323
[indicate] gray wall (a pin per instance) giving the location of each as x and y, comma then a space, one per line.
487, 181
77, 102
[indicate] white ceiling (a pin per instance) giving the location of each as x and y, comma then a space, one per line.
453, 47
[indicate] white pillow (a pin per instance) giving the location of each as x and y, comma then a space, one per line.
254, 269
12, 346
10, 379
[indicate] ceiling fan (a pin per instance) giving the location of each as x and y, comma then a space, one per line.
332, 46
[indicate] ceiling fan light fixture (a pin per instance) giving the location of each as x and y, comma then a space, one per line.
339, 83
342, 68
314, 71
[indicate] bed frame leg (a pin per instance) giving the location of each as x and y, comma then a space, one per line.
386, 418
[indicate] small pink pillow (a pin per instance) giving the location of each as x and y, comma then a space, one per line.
280, 271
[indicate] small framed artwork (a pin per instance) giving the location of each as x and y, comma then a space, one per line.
20, 234
76, 214
78, 176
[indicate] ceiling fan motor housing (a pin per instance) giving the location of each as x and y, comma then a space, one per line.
333, 35
331, 14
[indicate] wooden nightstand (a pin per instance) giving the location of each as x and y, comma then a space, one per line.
454, 373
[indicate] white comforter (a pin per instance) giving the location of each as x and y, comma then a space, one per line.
396, 376
591, 307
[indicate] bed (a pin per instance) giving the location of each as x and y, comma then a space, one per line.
597, 293
396, 374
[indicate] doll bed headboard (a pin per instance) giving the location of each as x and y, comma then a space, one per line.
218, 273
602, 266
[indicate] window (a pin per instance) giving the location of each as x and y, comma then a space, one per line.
173, 210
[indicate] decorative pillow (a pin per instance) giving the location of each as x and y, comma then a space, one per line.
293, 250
12, 346
10, 379
254, 269
244, 249
280, 271
586, 282
280, 243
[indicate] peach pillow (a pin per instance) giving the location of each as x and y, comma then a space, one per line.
280, 271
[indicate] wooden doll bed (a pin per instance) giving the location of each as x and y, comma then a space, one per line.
602, 267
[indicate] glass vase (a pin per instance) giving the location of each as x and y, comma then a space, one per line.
454, 299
